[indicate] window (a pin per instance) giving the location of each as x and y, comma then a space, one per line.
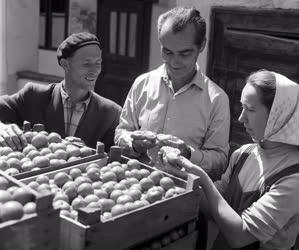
52, 23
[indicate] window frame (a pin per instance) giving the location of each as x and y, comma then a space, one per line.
48, 24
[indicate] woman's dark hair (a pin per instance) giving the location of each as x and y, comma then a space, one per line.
180, 18
265, 81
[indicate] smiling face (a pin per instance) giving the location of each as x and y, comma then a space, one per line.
84, 67
179, 52
254, 114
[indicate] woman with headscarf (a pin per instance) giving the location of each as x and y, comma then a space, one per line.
256, 202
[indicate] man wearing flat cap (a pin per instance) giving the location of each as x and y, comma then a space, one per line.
71, 107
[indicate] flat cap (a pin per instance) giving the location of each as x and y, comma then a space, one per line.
75, 41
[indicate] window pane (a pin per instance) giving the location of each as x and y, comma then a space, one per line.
58, 6
122, 34
113, 30
132, 35
42, 30
58, 29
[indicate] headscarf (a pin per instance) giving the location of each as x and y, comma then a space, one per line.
283, 122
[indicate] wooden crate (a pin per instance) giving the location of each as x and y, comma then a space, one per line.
130, 229
36, 231
52, 173
93, 157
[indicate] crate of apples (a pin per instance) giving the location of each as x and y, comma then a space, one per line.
117, 203
44, 152
26, 216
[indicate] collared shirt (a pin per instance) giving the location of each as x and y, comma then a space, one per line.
198, 113
73, 112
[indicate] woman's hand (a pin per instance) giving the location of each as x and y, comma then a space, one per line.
142, 141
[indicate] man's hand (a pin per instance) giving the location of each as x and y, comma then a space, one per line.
142, 141
12, 136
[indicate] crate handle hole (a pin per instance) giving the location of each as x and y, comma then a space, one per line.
166, 217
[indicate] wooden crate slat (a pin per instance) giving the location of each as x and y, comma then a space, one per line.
137, 227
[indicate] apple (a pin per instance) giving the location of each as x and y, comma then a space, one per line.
109, 176
45, 151
97, 184
106, 204
27, 166
156, 176
32, 154
79, 202
134, 193
93, 174
39, 141
146, 183
115, 194
3, 165
119, 171
101, 193
3, 183
133, 164
54, 137
5, 150
5, 196
61, 178
85, 189
167, 183
41, 162
14, 163
29, 207
153, 195
42, 179
75, 172
12, 210
144, 172
118, 209
22, 195
91, 198
123, 199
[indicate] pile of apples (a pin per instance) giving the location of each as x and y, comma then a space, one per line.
43, 150
114, 189
15, 201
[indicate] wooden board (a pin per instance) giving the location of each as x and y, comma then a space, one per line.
244, 40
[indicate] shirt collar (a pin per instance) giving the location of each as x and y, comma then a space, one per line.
197, 80
65, 97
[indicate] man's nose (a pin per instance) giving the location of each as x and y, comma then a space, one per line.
242, 116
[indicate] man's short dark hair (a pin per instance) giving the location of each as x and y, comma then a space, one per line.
180, 17
75, 41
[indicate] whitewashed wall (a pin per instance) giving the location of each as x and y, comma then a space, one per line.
21, 36
204, 6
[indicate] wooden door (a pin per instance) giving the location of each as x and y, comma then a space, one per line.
124, 29
243, 41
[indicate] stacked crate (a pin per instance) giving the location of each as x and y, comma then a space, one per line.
33, 231
170, 223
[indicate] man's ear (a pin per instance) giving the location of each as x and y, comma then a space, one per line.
203, 45
64, 64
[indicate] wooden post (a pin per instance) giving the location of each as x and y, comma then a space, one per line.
89, 215
192, 182
115, 154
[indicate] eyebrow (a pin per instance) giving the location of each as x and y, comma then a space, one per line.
181, 51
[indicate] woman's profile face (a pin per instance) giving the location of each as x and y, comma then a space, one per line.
254, 114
